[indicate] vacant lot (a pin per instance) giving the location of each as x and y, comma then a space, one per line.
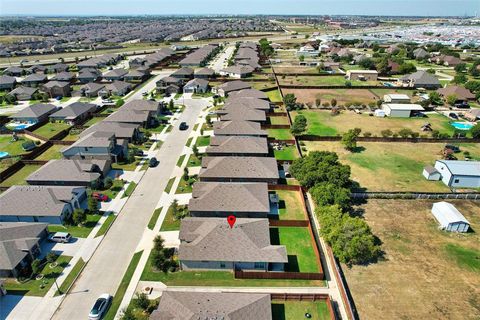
357, 96
383, 166
427, 273
323, 123
321, 81
296, 69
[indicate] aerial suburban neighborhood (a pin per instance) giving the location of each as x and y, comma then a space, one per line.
228, 166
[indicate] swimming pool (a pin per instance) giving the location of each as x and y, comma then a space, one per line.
462, 125
3, 154
18, 126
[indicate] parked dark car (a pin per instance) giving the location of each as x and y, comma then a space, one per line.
453, 115
153, 162
183, 126
453, 148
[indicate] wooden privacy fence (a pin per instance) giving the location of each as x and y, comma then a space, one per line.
305, 297
35, 162
291, 86
288, 223
11, 170
416, 195
276, 126
62, 142
390, 139
239, 274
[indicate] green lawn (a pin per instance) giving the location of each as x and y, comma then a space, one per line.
131, 187
170, 223
116, 187
125, 166
217, 278
193, 161
159, 128
154, 218
19, 177
106, 225
38, 287
180, 160
168, 188
185, 186
71, 276
295, 310
203, 141
280, 134
322, 81
290, 205
51, 153
122, 288
279, 120
195, 127
300, 250
76, 231
274, 95
93, 120
467, 258
14, 148
50, 129
287, 153
189, 141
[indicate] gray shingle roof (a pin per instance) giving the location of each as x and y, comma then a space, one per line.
251, 103
35, 77
245, 128
210, 305
23, 90
73, 171
237, 144
234, 86
54, 83
7, 80
74, 110
35, 200
239, 167
212, 239
129, 116
422, 78
248, 93
229, 197
35, 111
116, 73
120, 129
231, 113
93, 139
141, 105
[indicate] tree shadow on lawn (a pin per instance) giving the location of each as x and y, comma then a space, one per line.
358, 149
278, 311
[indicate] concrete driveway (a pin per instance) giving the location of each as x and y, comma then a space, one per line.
105, 269
66, 249
17, 307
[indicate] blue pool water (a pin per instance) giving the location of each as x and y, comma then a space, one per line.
462, 125
18, 126
3, 154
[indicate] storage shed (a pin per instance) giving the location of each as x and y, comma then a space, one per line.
430, 173
449, 218
401, 110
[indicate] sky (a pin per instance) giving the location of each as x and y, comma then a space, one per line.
293, 7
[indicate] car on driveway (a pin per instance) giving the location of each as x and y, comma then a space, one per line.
183, 126
100, 196
100, 307
61, 237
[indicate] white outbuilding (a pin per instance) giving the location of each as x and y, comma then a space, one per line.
396, 98
402, 110
449, 218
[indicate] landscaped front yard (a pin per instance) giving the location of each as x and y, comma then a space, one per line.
50, 129
295, 310
389, 166
424, 269
300, 248
194, 161
77, 231
38, 287
203, 141
185, 186
323, 123
170, 223
18, 178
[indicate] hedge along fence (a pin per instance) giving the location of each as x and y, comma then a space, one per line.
278, 275
416, 195
305, 297
390, 139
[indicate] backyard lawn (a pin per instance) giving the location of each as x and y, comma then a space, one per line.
300, 248
421, 264
384, 166
50, 129
323, 123
280, 134
19, 177
279, 120
287, 153
51, 153
291, 205
274, 95
38, 287
13, 148
294, 310
93, 120
263, 85
76, 231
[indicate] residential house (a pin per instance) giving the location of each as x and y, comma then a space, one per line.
117, 88
449, 61
462, 94
238, 128
13, 71
34, 80
247, 103
57, 68
138, 117
23, 93
420, 79
459, 174
65, 76
169, 85
248, 93
198, 57
220, 199
237, 146
35, 113
239, 169
64, 172
57, 89
86, 76
50, 204
362, 75
196, 86
135, 76
125, 131
115, 75
420, 53
153, 107
175, 305
473, 114
7, 82
19, 246
74, 113
238, 72
231, 86
91, 89
308, 50
97, 145
183, 73
204, 73
233, 113
211, 244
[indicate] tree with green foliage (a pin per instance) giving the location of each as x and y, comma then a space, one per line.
299, 125
460, 79
327, 194
128, 314
367, 64
407, 67
10, 99
461, 67
475, 132
36, 267
107, 183
51, 257
92, 204
301, 58
195, 150
120, 102
141, 301
290, 101
171, 105
405, 133
349, 139
79, 216
473, 85
435, 98
185, 174
451, 99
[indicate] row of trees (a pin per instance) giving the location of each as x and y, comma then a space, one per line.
329, 183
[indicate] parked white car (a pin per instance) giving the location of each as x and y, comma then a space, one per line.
100, 307
62, 237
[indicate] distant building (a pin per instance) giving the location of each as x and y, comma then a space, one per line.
362, 75
396, 98
459, 174
401, 110
420, 79
449, 218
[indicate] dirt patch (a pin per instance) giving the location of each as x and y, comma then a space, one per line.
360, 96
419, 278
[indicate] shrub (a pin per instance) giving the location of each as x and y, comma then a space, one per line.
79, 216
51, 257
327, 194
36, 266
107, 183
141, 300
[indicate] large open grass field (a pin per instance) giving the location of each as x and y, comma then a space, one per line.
323, 123
383, 166
427, 273
357, 96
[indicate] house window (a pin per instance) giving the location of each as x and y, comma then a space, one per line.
456, 180
259, 265
222, 265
